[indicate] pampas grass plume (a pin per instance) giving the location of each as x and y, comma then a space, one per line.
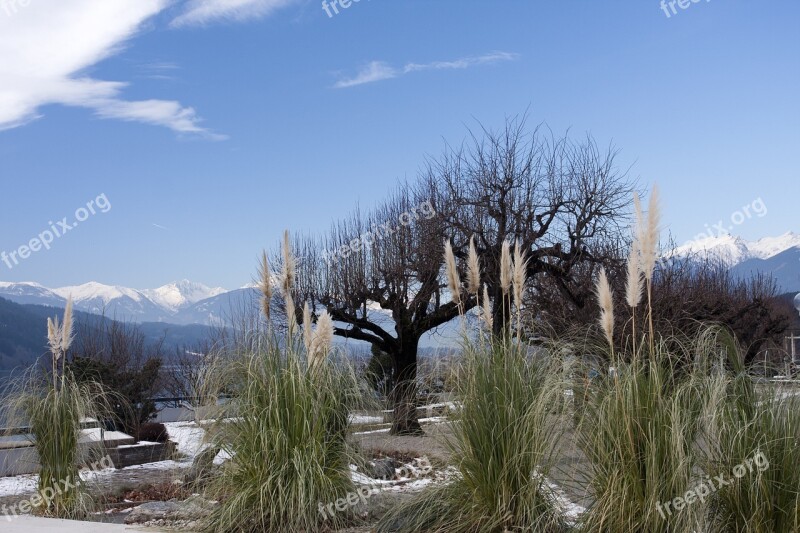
322, 340
265, 285
606, 301
473, 269
54, 337
453, 280
67, 328
634, 285
487, 308
289, 264
520, 273
651, 234
506, 270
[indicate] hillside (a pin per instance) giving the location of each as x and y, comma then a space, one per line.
23, 328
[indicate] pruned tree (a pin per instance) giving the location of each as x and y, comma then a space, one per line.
380, 273
564, 201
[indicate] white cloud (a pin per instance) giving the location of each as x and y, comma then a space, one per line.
46, 47
375, 71
379, 70
201, 12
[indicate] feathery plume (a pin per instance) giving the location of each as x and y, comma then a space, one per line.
322, 340
520, 273
651, 233
453, 280
288, 274
473, 269
67, 328
289, 264
487, 308
54, 337
506, 271
634, 285
307, 331
291, 313
265, 284
606, 301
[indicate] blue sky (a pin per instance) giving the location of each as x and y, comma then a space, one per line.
211, 125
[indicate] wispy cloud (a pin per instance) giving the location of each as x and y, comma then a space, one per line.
202, 12
375, 71
47, 46
379, 70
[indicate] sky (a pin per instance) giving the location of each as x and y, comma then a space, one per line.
197, 130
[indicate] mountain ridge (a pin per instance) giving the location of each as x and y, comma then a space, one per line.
186, 302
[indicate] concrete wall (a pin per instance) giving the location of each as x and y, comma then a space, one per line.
18, 460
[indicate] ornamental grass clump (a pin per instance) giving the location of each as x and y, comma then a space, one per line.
753, 446
284, 427
639, 419
54, 404
638, 429
503, 437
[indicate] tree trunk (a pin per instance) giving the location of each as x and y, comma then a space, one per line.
404, 395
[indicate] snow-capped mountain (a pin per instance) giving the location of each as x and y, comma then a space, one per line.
164, 304
777, 256
733, 250
116, 302
176, 296
28, 292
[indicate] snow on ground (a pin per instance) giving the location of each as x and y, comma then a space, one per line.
28, 483
12, 486
365, 419
188, 436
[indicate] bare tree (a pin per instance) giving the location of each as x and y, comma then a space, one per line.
380, 273
565, 202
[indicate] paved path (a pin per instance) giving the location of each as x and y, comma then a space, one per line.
30, 524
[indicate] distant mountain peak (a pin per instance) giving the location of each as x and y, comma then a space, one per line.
733, 250
164, 304
179, 294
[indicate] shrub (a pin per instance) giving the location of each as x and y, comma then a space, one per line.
153, 432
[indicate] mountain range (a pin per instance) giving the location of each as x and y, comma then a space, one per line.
776, 256
23, 337
182, 302
185, 302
